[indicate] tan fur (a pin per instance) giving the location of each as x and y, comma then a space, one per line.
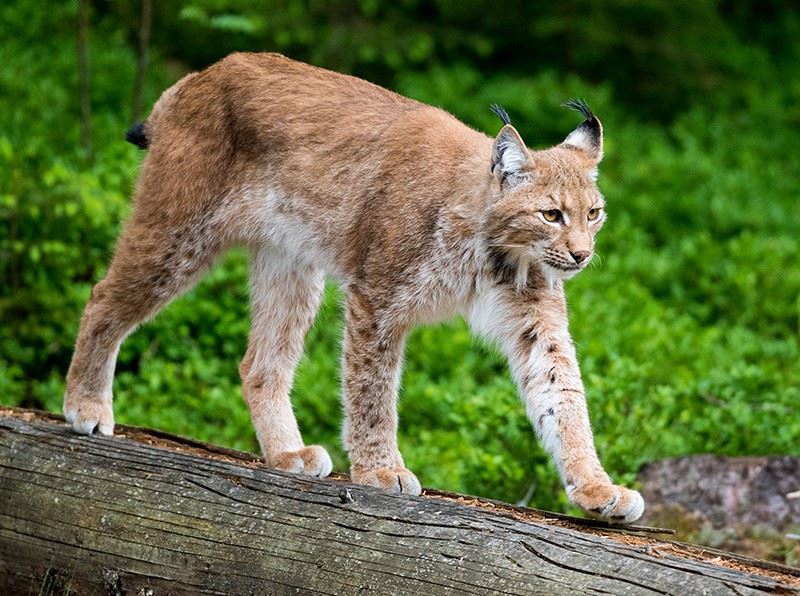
417, 216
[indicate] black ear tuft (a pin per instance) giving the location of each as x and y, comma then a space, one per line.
501, 113
579, 106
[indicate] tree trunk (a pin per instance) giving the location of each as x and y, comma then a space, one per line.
142, 59
83, 79
146, 513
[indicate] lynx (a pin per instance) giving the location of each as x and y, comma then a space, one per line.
417, 216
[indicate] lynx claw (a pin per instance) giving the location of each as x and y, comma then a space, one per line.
613, 503
84, 416
393, 480
311, 461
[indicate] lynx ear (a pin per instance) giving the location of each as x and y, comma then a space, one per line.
511, 160
588, 137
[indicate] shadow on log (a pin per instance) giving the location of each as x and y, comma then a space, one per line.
147, 513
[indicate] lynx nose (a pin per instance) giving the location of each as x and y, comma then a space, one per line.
580, 256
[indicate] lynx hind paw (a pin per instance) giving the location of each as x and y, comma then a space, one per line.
612, 503
393, 480
86, 415
310, 461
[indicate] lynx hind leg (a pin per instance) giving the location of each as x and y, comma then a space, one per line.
284, 303
151, 265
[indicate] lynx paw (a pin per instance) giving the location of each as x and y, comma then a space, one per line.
311, 461
394, 480
85, 415
613, 503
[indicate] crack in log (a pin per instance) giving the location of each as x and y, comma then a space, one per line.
592, 572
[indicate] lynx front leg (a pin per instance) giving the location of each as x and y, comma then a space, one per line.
371, 374
284, 303
542, 357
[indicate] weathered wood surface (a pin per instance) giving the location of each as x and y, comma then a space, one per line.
98, 515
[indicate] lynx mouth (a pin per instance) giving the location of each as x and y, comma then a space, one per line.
562, 266
562, 271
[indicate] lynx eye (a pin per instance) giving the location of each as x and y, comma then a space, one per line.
593, 214
552, 215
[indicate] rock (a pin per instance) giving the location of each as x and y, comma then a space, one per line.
747, 504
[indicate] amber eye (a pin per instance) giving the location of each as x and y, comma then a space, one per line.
552, 215
593, 214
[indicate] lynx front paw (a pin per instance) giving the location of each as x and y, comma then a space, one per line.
394, 480
311, 461
616, 504
85, 415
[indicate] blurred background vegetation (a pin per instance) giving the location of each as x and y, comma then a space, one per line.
687, 326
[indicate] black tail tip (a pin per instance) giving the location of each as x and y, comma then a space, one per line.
136, 136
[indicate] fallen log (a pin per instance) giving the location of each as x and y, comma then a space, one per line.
147, 513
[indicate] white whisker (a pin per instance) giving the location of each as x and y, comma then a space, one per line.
496, 245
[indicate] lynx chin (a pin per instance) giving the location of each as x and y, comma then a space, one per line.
418, 218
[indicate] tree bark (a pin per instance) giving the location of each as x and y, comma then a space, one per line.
147, 513
142, 59
83, 79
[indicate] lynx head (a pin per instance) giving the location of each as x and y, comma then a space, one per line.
545, 207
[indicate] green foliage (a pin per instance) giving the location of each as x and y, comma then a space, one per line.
662, 55
687, 326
